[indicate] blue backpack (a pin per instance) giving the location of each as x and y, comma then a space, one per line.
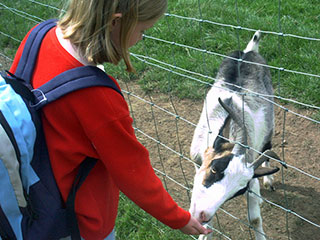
31, 206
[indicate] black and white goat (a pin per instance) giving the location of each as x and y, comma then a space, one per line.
230, 117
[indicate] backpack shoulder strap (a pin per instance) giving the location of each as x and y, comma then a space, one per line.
72, 80
62, 84
30, 51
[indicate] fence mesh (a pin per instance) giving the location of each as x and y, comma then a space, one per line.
165, 115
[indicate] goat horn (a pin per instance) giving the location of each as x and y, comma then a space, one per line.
238, 121
262, 158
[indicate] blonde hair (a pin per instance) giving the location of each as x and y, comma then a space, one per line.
87, 24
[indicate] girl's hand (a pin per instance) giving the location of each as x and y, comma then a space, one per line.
194, 228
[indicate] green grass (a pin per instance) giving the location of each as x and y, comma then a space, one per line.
296, 17
300, 17
135, 224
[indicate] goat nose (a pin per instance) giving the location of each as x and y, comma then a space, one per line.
203, 217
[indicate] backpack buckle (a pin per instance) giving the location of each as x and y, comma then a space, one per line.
37, 95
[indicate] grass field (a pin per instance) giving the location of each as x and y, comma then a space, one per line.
299, 17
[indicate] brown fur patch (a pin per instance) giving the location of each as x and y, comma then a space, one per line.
210, 155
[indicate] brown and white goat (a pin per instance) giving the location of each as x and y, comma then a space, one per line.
231, 127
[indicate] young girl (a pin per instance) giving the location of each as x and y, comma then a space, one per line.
95, 121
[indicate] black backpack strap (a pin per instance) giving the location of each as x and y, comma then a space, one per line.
18, 86
72, 80
85, 167
64, 83
30, 51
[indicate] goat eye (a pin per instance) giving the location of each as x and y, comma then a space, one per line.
220, 164
211, 177
216, 171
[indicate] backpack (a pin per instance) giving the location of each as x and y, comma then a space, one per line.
31, 206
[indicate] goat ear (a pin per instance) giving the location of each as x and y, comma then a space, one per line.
226, 104
219, 141
263, 171
265, 156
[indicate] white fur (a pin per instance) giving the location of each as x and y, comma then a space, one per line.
254, 212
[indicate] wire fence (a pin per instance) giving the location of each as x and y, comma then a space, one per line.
165, 123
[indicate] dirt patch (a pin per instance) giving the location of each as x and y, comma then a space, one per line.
296, 140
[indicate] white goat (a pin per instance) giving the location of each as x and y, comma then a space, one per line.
228, 168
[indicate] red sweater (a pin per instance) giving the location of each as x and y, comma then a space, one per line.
95, 122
